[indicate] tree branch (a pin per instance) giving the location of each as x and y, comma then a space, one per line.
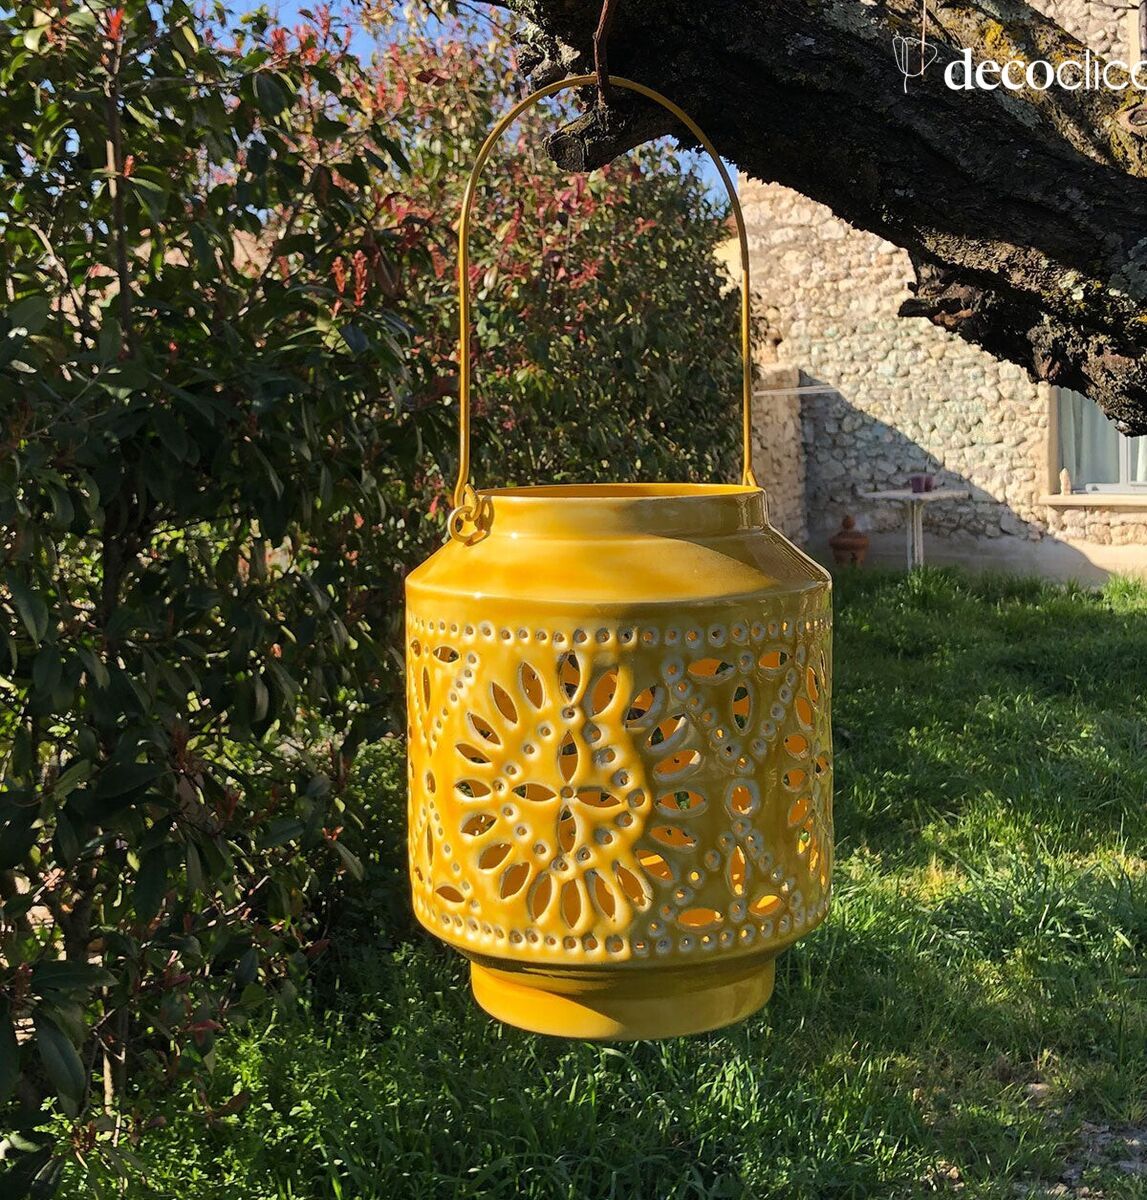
1025, 212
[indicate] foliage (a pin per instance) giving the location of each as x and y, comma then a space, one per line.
199, 439
605, 329
970, 1019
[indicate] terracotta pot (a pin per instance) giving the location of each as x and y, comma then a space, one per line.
849, 545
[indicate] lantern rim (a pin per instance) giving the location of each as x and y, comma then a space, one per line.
621, 491
590, 510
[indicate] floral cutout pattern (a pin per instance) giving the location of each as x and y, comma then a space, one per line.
620, 792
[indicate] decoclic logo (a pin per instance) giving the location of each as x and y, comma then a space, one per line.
1088, 73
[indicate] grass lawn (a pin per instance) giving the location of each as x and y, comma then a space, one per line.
972, 1019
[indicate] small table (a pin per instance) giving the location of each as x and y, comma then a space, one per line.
914, 503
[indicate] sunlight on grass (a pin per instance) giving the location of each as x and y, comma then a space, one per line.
975, 1001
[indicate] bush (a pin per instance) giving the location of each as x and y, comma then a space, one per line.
200, 438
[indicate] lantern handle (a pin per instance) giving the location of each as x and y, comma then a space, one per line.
465, 498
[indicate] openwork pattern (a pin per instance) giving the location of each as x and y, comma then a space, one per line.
617, 792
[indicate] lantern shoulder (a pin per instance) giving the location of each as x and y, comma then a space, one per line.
620, 546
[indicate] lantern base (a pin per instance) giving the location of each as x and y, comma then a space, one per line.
623, 1005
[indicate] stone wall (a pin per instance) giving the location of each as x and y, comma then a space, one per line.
778, 451
897, 396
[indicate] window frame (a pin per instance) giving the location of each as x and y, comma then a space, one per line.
1125, 486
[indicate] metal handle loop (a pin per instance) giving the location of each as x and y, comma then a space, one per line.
464, 495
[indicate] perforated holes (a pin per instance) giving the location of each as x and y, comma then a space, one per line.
773, 660
472, 789
567, 831
430, 784
569, 675
804, 712
483, 729
603, 692
536, 793
446, 654
531, 683
631, 887
503, 703
738, 871
477, 825
472, 754
765, 905
540, 895
742, 800
811, 685
700, 918
571, 905
742, 708
597, 798
667, 731
493, 856
654, 865
513, 880
449, 893
684, 762
675, 803
821, 764
672, 836
796, 744
426, 687
711, 670
799, 811
602, 894
643, 707
794, 780
567, 757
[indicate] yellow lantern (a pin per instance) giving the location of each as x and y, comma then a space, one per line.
620, 803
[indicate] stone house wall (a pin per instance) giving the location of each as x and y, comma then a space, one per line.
882, 397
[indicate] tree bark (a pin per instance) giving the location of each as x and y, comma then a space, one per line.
1024, 213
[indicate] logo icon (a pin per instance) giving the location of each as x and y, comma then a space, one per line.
913, 56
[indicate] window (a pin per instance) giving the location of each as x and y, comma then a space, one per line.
1094, 453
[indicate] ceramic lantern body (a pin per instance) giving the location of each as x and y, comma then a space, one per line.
620, 759
620, 755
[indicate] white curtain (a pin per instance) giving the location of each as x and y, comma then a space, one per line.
1138, 449
1090, 444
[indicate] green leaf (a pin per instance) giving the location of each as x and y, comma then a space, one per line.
171, 434
31, 608
279, 831
122, 778
9, 1052
95, 666
77, 772
271, 94
63, 975
62, 1063
194, 862
355, 339
351, 861
30, 313
150, 884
